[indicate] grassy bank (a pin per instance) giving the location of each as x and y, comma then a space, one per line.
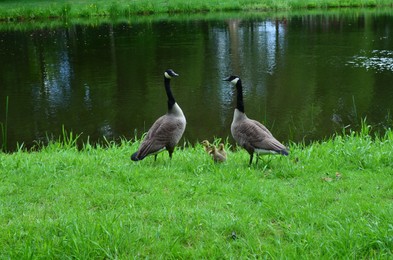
331, 199
35, 24
39, 9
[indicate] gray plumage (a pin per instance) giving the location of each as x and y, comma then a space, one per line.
167, 130
250, 134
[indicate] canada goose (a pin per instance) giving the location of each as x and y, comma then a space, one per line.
166, 132
250, 134
221, 150
207, 146
217, 157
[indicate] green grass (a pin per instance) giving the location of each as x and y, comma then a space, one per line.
39, 9
327, 200
45, 24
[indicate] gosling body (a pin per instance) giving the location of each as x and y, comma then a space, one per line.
217, 157
221, 150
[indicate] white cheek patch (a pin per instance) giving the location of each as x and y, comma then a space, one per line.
234, 81
167, 75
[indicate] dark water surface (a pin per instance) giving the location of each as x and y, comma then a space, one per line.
305, 76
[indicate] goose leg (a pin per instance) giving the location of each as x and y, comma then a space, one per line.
251, 156
170, 151
155, 157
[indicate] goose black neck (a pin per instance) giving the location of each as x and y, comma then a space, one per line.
171, 99
240, 104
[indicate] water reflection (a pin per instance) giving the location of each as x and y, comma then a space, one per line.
304, 76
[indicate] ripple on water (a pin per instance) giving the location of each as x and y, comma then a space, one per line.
378, 60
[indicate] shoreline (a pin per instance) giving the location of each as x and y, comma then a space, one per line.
55, 10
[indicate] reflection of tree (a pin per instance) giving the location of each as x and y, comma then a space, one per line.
52, 94
234, 46
55, 73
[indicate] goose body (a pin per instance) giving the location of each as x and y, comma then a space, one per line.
167, 130
250, 134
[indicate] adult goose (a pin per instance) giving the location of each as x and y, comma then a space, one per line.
250, 134
166, 132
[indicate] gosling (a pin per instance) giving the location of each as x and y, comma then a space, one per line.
217, 157
207, 146
221, 150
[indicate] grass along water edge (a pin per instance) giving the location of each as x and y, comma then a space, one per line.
329, 199
32, 10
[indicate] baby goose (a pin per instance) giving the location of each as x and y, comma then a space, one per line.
221, 150
207, 146
217, 157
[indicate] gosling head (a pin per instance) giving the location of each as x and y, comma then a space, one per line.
213, 150
205, 143
169, 73
233, 79
221, 146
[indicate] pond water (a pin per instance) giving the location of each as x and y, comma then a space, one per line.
305, 76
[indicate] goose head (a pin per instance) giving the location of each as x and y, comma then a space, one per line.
170, 74
233, 79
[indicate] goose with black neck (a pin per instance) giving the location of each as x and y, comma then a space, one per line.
250, 134
167, 130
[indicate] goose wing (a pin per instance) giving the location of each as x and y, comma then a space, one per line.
164, 132
253, 135
262, 127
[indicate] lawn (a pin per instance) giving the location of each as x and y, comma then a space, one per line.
330, 199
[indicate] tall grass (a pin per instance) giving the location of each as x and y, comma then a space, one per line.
327, 200
36, 9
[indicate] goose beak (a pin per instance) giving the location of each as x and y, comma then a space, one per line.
227, 78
